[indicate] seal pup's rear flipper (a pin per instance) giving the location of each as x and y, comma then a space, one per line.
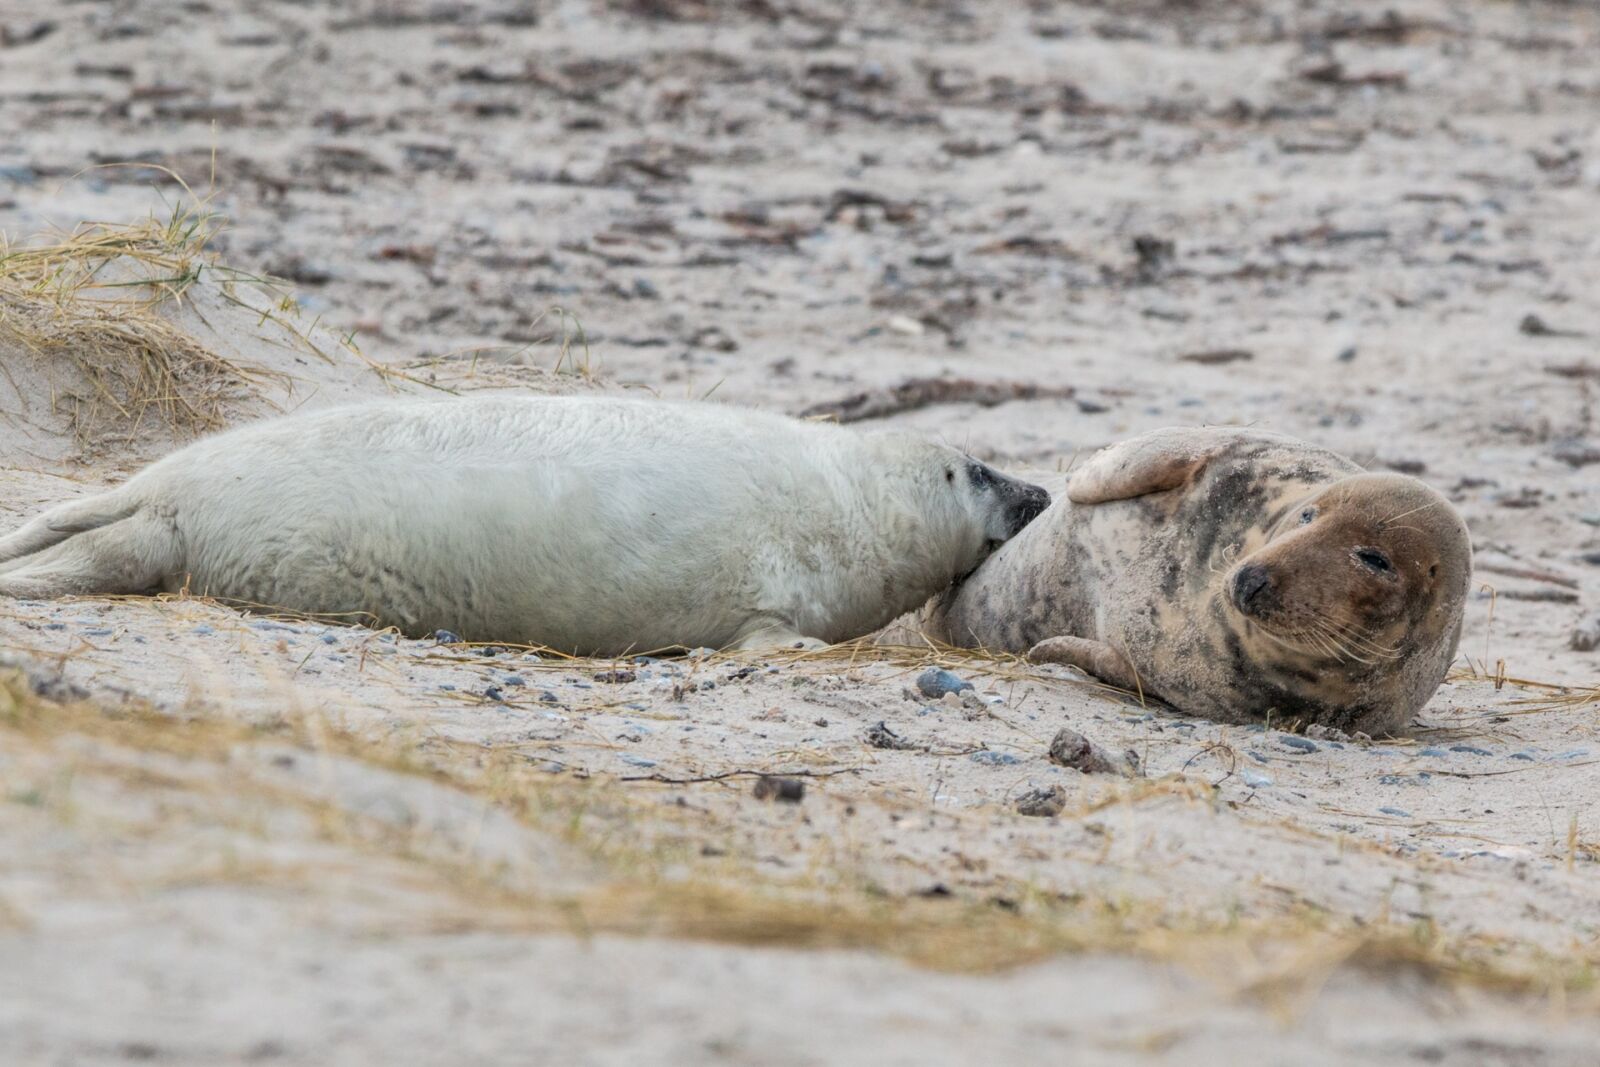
64, 520
133, 553
1154, 462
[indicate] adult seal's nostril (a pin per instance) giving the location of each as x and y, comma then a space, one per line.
1250, 588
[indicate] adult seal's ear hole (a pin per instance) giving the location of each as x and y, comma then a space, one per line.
1241, 574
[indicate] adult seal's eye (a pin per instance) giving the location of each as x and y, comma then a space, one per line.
1374, 560
1307, 515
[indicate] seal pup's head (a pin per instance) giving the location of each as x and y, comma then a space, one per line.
958, 509
1365, 578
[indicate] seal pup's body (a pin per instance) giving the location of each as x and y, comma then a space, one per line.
591, 525
1234, 574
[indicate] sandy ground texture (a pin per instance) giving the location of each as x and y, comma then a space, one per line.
234, 838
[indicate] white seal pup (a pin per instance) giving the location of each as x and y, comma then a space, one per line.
591, 525
1235, 574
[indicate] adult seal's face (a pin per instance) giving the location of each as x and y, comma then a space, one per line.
1361, 577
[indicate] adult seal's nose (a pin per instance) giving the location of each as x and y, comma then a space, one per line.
1252, 588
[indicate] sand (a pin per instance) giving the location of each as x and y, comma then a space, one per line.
236, 838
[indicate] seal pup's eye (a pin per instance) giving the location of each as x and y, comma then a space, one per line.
1374, 559
949, 475
1307, 515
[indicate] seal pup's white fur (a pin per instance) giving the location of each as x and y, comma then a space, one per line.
592, 525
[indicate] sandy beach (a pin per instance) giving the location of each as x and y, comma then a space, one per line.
1029, 230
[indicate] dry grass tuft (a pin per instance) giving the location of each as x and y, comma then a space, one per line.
96, 300
1281, 959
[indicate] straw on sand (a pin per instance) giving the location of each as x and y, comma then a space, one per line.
97, 302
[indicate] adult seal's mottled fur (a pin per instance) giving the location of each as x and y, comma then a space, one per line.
592, 525
1234, 574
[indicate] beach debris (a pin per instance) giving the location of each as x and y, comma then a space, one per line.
1586, 635
879, 735
1069, 748
1045, 802
915, 393
773, 787
1217, 356
1533, 326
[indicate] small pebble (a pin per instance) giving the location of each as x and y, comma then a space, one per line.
935, 682
995, 759
1069, 748
97, 632
494, 693
1471, 749
1043, 803
1432, 751
1573, 754
639, 761
514, 679
445, 637
447, 687
1255, 780
615, 677
547, 697
1523, 756
203, 629
788, 790
330, 639
1300, 744
1397, 812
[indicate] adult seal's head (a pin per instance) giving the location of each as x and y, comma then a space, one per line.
1236, 574
1363, 581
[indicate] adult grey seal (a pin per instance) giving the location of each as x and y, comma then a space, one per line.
592, 525
1237, 575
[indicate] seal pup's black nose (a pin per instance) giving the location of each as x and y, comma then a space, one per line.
1024, 503
1252, 588
1029, 505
